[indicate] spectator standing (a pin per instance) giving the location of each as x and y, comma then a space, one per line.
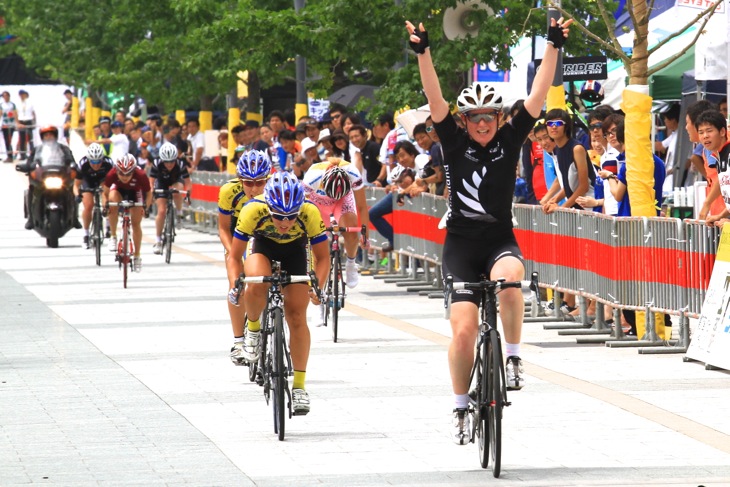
66, 111
366, 158
118, 141
382, 127
712, 130
25, 125
252, 134
286, 150
668, 145
432, 174
336, 114
197, 142
8, 112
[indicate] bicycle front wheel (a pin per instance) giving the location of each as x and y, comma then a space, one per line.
169, 232
496, 399
126, 256
97, 224
279, 372
337, 285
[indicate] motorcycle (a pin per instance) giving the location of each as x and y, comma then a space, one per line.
50, 199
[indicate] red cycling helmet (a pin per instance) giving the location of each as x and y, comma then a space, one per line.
126, 164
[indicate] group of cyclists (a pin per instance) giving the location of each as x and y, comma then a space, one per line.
269, 215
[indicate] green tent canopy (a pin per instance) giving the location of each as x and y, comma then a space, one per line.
666, 84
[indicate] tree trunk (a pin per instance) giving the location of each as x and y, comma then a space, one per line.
640, 56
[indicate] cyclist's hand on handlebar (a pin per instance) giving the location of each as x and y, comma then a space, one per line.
105, 211
79, 198
314, 297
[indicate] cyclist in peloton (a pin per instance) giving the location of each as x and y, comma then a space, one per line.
126, 181
480, 164
93, 168
336, 187
253, 169
282, 223
167, 172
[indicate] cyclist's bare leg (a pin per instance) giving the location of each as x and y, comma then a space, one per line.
137, 214
296, 299
511, 302
254, 297
351, 239
464, 328
161, 212
116, 197
88, 200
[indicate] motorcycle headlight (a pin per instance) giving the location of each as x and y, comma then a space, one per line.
53, 182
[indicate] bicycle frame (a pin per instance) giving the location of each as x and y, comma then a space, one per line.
168, 229
125, 247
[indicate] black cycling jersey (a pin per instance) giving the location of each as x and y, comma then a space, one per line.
164, 177
93, 177
481, 180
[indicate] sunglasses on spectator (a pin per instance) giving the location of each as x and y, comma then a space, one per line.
595, 126
477, 117
250, 183
281, 218
555, 123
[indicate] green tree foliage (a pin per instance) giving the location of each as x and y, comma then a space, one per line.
176, 53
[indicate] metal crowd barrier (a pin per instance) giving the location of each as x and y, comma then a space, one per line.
650, 265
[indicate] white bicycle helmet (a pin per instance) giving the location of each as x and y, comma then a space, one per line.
95, 152
479, 95
400, 171
168, 152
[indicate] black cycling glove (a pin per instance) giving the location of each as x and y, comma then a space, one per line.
555, 36
419, 47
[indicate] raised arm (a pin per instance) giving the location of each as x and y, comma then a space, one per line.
557, 33
429, 79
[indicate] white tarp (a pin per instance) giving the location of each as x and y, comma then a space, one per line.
711, 48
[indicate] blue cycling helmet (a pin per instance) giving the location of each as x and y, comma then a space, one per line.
284, 194
253, 164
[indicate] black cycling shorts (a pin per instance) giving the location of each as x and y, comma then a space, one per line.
467, 259
164, 185
292, 255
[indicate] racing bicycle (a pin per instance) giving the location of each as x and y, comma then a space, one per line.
488, 388
168, 229
274, 366
125, 247
334, 293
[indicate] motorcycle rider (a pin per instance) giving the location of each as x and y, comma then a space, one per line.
93, 168
49, 135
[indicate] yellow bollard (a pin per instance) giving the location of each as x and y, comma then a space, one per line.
74, 113
180, 116
89, 119
662, 331
234, 119
205, 118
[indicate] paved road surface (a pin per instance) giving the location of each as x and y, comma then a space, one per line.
105, 386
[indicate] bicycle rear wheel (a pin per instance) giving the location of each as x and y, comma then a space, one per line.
337, 283
496, 399
169, 232
279, 372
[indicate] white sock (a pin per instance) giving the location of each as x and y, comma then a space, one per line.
512, 349
461, 401
237, 339
159, 239
86, 232
350, 261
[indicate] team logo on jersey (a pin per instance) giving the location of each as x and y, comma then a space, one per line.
470, 199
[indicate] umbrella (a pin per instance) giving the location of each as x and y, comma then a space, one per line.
350, 95
410, 118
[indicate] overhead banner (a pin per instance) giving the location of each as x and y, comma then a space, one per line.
582, 68
711, 336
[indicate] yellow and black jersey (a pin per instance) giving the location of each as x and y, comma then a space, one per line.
255, 220
231, 198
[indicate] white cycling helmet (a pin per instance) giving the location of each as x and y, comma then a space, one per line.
399, 172
479, 95
168, 152
95, 152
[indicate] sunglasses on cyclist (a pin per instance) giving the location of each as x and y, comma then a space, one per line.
250, 183
283, 218
94, 162
555, 123
477, 117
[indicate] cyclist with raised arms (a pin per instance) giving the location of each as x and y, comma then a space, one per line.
282, 223
337, 187
253, 169
168, 171
480, 165
128, 182
93, 168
